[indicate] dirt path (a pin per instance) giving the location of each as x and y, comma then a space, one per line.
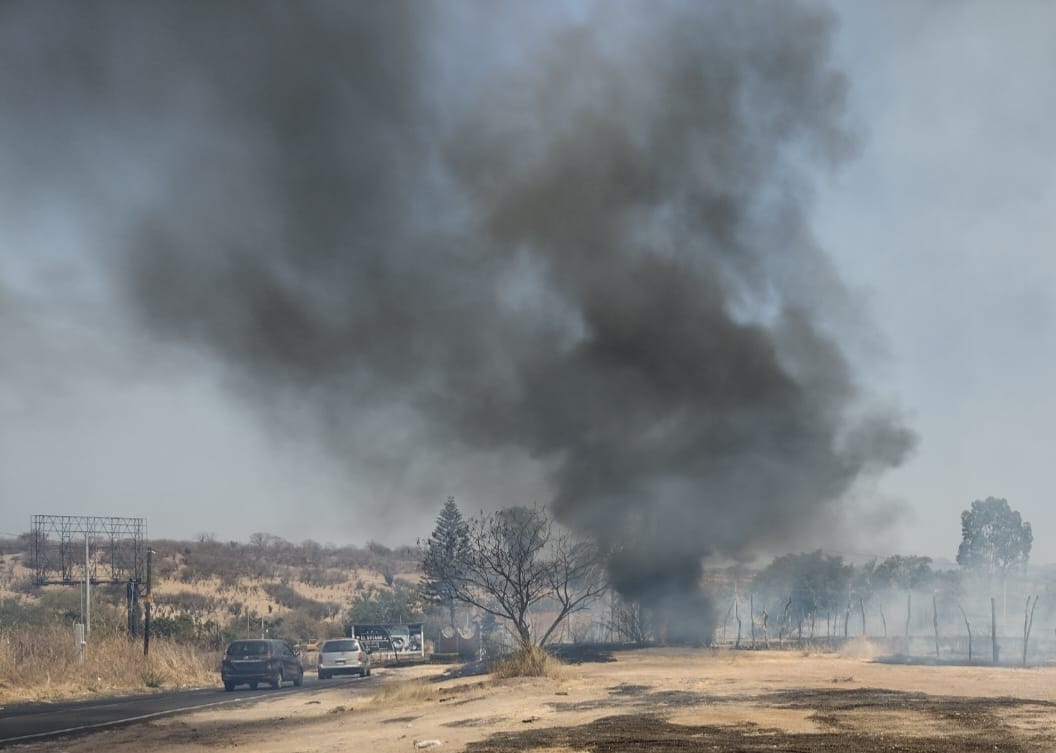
652, 699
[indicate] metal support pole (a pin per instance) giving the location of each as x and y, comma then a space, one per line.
87, 591
148, 598
132, 599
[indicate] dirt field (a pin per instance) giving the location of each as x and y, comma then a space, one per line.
643, 700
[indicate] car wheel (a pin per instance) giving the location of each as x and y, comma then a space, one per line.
229, 686
362, 672
299, 680
252, 686
369, 670
324, 676
276, 680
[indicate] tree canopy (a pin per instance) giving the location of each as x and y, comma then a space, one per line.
514, 560
812, 583
903, 572
445, 551
995, 538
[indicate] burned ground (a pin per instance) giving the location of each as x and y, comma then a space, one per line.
851, 720
650, 733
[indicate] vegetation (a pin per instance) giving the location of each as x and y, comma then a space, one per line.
995, 538
513, 569
513, 562
206, 593
404, 693
528, 661
445, 550
399, 603
812, 583
42, 663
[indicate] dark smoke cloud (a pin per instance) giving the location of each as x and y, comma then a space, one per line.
575, 236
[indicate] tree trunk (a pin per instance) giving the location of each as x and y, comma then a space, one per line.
1028, 623
935, 622
909, 610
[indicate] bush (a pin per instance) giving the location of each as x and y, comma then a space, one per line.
532, 661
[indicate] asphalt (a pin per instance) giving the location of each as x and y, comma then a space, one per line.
38, 721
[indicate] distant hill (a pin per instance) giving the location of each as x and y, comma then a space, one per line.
211, 589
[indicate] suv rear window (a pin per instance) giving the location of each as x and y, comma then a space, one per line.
333, 646
247, 648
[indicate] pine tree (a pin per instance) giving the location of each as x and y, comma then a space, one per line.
445, 551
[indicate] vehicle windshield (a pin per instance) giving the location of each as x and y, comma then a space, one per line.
331, 646
247, 648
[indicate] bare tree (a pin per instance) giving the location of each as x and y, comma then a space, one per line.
577, 577
515, 560
627, 620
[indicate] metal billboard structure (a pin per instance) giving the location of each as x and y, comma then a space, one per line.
73, 549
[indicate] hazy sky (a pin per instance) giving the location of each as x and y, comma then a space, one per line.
940, 225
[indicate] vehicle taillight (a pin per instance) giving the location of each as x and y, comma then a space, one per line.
361, 656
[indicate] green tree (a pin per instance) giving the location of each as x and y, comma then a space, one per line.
994, 538
904, 573
444, 553
807, 584
376, 605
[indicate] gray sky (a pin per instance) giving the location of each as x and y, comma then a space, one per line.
938, 226
945, 226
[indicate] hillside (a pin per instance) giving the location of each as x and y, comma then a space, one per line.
210, 591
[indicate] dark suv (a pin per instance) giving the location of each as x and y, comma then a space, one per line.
260, 660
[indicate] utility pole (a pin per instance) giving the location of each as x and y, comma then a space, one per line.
87, 591
132, 601
148, 598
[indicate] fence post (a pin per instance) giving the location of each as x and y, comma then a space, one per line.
993, 629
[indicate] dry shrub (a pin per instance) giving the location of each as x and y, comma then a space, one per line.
408, 692
44, 664
531, 661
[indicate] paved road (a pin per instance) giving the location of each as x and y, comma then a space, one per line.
38, 721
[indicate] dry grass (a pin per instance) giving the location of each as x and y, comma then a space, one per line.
528, 662
405, 693
45, 665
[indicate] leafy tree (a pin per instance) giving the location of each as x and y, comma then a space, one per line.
401, 603
811, 583
514, 560
445, 550
905, 573
995, 539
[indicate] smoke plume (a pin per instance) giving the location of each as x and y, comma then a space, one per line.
575, 237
